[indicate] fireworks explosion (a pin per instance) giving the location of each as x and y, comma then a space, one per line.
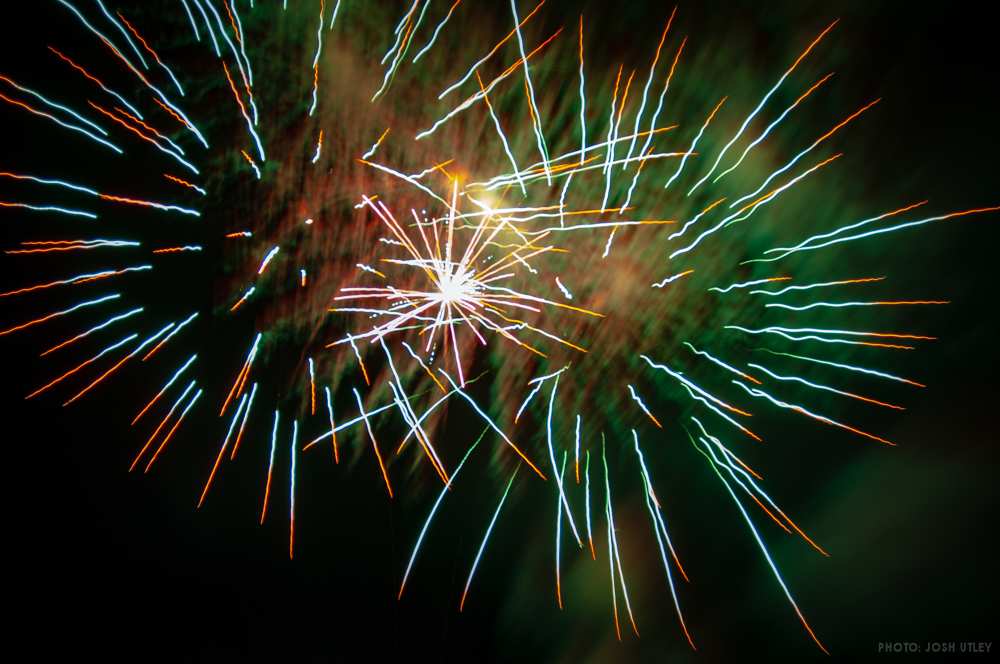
423, 243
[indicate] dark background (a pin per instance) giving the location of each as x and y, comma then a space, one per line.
103, 564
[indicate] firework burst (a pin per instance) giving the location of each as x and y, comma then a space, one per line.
390, 236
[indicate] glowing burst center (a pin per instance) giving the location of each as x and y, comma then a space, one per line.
458, 287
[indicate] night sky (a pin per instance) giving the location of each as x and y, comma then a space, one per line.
108, 565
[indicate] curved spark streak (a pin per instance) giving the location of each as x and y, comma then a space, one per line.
552, 459
788, 289
49, 102
63, 312
825, 388
841, 305
61, 123
96, 328
878, 231
652, 506
164, 388
714, 462
799, 409
848, 367
720, 363
482, 546
437, 503
763, 101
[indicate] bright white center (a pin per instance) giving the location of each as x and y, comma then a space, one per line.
455, 287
